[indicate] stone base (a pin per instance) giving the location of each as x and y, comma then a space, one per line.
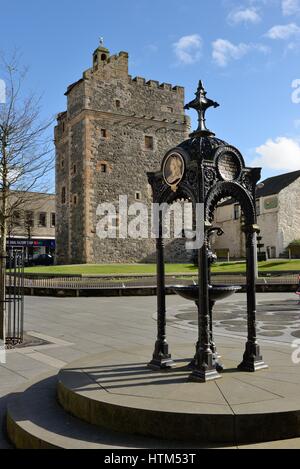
204, 376
116, 392
161, 364
252, 366
252, 359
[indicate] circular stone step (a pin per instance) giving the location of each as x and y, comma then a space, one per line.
117, 391
35, 420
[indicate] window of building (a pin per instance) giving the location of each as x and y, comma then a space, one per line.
118, 103
103, 57
138, 196
258, 207
74, 169
17, 218
29, 219
53, 220
149, 142
115, 222
63, 195
43, 220
103, 168
75, 199
237, 212
62, 163
103, 133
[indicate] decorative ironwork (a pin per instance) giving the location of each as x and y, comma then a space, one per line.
14, 298
214, 170
201, 103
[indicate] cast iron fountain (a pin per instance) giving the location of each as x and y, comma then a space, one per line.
206, 170
216, 293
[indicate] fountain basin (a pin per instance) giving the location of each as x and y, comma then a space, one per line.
216, 292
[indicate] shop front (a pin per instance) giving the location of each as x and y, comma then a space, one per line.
32, 247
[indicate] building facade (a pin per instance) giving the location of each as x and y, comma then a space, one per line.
32, 225
278, 216
115, 129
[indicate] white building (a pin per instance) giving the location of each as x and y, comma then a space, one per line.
278, 210
32, 225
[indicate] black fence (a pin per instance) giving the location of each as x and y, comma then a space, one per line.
14, 298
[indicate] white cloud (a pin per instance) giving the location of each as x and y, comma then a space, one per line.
224, 51
188, 49
290, 7
285, 31
247, 15
282, 154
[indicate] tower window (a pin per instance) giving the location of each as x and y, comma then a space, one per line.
138, 196
63, 195
74, 170
103, 133
62, 163
103, 168
103, 57
118, 103
115, 222
149, 142
75, 199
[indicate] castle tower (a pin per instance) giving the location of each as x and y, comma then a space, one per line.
115, 129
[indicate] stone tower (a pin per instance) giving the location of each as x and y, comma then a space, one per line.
115, 129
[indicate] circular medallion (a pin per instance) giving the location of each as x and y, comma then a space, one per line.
229, 166
173, 170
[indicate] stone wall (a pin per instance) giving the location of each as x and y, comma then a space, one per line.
233, 240
289, 215
109, 115
279, 222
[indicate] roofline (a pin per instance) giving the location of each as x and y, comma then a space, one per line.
70, 87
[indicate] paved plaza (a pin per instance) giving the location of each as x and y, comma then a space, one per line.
73, 328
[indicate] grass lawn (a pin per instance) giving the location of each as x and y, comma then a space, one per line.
117, 269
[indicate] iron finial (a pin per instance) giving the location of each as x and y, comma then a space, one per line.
201, 103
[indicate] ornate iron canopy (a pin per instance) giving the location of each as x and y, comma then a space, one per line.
205, 170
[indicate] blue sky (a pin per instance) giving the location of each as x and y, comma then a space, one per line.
247, 53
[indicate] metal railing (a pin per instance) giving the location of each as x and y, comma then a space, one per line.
98, 283
14, 298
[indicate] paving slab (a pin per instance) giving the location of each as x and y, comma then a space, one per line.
128, 397
96, 325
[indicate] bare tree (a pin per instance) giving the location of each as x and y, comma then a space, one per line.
26, 156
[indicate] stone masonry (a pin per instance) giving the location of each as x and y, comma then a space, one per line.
115, 129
